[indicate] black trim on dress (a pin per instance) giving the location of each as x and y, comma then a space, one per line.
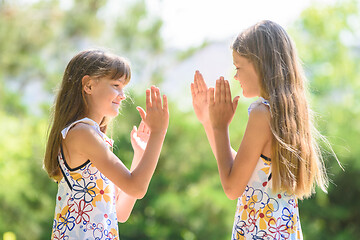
62, 171
266, 158
77, 168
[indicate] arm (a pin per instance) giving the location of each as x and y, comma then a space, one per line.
125, 203
199, 93
236, 172
90, 145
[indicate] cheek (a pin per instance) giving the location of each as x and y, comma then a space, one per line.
110, 93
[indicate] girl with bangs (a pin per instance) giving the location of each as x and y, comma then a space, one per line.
278, 161
95, 189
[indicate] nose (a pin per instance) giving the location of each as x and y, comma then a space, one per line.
121, 95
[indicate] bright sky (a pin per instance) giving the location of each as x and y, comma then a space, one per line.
190, 22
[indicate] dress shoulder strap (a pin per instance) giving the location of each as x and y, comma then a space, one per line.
260, 100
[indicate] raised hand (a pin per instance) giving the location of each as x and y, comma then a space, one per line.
199, 98
156, 116
139, 138
221, 106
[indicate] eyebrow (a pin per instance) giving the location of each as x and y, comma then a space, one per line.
118, 80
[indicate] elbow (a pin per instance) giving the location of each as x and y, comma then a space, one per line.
231, 193
123, 214
232, 189
137, 188
139, 192
122, 218
232, 196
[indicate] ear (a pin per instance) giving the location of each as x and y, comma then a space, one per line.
86, 84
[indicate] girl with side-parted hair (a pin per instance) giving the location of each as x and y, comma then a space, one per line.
278, 161
95, 189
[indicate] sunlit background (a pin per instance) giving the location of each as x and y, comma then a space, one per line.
166, 41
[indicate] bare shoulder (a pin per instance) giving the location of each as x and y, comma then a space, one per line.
82, 134
259, 119
260, 112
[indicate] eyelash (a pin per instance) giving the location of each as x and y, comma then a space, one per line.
116, 85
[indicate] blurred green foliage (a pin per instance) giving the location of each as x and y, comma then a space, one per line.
185, 199
327, 39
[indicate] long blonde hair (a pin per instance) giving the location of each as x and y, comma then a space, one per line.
296, 160
70, 104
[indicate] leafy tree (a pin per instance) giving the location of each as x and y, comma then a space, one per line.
36, 42
185, 199
328, 41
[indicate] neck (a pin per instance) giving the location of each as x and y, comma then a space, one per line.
95, 117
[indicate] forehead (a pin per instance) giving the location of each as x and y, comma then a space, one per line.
121, 80
238, 59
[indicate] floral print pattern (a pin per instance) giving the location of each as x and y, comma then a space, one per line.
85, 202
262, 214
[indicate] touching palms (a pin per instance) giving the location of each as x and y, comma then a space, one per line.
199, 97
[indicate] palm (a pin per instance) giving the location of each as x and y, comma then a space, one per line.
221, 107
199, 97
140, 137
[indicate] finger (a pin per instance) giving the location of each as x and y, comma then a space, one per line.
148, 100
165, 103
223, 90
153, 96
218, 91
211, 95
158, 98
133, 131
227, 91
196, 84
202, 83
141, 126
193, 94
235, 102
146, 129
142, 113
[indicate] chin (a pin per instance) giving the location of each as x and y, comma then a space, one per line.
246, 95
113, 113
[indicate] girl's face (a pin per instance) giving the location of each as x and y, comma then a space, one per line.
104, 97
247, 76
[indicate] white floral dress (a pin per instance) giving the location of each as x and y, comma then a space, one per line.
262, 214
85, 202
